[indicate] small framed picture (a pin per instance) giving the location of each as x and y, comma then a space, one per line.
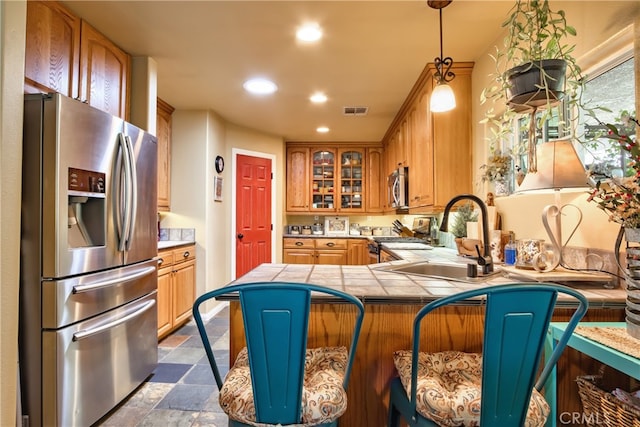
336, 225
217, 188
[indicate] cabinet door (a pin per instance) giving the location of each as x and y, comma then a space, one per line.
358, 252
298, 256
352, 179
421, 175
163, 133
52, 49
452, 143
375, 184
298, 179
165, 315
184, 279
323, 180
334, 257
104, 73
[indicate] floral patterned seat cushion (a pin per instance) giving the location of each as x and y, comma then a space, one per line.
449, 385
323, 397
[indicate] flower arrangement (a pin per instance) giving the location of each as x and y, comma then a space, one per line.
497, 168
620, 197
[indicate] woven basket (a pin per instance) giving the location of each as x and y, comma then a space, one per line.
601, 408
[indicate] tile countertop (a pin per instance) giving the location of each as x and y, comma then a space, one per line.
373, 285
166, 244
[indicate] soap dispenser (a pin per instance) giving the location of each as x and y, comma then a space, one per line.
434, 232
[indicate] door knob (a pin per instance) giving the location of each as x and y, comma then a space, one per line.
240, 235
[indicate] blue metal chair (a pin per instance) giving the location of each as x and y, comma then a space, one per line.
517, 318
276, 316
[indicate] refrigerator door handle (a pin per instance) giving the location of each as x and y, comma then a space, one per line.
120, 192
107, 283
86, 333
133, 190
126, 192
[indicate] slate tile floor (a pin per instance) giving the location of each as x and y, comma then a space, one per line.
181, 392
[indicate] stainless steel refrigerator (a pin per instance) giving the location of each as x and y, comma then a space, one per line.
88, 315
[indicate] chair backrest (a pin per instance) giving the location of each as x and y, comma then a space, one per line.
275, 316
517, 318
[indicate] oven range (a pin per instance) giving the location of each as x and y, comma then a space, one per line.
377, 246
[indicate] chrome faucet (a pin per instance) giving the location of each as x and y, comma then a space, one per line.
484, 260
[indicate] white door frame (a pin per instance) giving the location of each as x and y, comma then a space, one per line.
272, 157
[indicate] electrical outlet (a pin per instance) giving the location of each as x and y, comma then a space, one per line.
316, 217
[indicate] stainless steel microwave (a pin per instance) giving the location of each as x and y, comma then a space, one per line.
398, 189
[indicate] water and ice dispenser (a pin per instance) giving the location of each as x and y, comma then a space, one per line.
86, 211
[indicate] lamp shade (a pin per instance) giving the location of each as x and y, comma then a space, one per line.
558, 168
442, 98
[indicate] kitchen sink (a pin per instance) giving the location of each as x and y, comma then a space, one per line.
455, 272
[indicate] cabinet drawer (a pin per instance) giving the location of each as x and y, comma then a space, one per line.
290, 242
185, 253
165, 258
331, 243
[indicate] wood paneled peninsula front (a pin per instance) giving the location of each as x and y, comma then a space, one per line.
391, 301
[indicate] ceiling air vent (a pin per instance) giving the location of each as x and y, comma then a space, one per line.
355, 111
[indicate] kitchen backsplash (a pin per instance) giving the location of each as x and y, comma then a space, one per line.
178, 234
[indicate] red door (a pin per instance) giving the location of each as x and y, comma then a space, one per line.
253, 213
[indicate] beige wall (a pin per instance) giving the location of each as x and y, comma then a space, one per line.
197, 138
596, 23
12, 37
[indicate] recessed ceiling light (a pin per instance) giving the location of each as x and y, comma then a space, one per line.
322, 129
260, 86
309, 33
318, 98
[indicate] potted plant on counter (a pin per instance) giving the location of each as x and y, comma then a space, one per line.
465, 214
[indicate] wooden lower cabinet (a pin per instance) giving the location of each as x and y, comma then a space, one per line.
325, 251
358, 252
176, 287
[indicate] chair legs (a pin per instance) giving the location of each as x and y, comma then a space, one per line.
400, 407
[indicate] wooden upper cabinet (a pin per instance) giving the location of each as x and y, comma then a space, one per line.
437, 146
105, 73
452, 147
351, 191
163, 134
421, 179
298, 171
375, 181
65, 54
52, 49
334, 179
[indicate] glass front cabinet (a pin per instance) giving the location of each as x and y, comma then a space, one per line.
336, 180
351, 179
323, 179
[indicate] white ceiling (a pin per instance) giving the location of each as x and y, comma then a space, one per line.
371, 55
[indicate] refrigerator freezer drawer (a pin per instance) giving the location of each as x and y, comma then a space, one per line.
89, 367
71, 300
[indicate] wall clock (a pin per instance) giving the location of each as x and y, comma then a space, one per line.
219, 164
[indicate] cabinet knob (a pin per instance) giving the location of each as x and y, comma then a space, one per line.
331, 244
186, 254
299, 243
160, 261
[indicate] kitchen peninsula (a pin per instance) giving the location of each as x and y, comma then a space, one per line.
391, 302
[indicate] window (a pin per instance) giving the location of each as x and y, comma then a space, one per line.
614, 90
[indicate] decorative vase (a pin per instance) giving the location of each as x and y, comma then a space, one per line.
632, 237
501, 187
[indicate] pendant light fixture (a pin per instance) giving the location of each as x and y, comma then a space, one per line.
442, 98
